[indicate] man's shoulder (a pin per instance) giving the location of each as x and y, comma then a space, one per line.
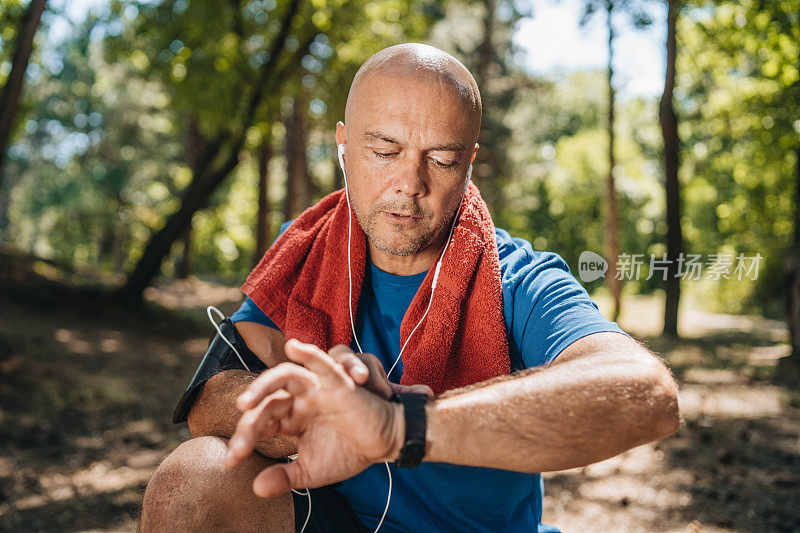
518, 258
546, 308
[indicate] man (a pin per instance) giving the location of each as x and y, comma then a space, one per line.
583, 390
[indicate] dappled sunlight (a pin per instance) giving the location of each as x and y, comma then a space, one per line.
768, 355
711, 376
699, 323
98, 478
730, 401
629, 490
686, 355
643, 316
150, 152
192, 293
734, 465
195, 346
105, 341
86, 415
73, 342
97, 428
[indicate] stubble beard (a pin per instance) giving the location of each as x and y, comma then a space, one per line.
415, 243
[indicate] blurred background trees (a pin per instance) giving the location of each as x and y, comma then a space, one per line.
24, 31
173, 138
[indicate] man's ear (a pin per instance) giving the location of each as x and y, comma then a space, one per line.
341, 133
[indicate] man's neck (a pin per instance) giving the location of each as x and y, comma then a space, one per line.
404, 265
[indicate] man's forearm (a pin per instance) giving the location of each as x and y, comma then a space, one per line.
214, 413
568, 415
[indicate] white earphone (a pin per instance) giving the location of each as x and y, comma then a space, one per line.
340, 152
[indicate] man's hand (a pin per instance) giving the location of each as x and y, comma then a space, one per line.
342, 428
367, 371
214, 413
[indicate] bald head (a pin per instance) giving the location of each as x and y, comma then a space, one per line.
414, 61
412, 121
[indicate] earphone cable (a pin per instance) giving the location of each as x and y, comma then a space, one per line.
340, 152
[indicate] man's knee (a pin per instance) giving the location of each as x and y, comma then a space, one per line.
192, 489
179, 484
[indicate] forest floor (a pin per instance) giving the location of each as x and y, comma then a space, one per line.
87, 392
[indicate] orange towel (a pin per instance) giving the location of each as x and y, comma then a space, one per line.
301, 284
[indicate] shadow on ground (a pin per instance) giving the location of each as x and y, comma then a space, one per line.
87, 393
733, 466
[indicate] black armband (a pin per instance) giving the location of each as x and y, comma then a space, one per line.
219, 356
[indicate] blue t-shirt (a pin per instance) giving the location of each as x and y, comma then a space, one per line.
545, 310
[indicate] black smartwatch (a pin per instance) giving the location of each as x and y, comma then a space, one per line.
414, 444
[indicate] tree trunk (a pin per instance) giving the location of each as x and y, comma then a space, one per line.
4, 206
10, 94
119, 249
194, 152
184, 265
298, 182
211, 176
669, 131
193, 199
485, 157
789, 367
262, 222
487, 46
612, 217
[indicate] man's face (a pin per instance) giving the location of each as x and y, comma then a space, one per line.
409, 144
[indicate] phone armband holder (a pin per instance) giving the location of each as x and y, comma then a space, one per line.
219, 357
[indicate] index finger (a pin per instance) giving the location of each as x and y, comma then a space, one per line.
317, 361
288, 376
260, 422
352, 363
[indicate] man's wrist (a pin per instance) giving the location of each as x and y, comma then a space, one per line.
414, 434
399, 430
434, 432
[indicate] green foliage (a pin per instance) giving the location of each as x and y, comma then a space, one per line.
11, 13
98, 165
480, 35
104, 146
557, 197
210, 73
739, 91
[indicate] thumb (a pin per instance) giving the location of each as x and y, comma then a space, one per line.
278, 479
418, 388
422, 389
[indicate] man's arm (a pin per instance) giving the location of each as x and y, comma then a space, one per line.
602, 395
214, 412
606, 395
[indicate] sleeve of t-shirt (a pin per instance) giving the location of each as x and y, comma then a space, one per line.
249, 311
551, 310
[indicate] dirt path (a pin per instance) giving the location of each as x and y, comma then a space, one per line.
85, 402
733, 466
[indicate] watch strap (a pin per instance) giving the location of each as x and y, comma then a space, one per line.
416, 427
